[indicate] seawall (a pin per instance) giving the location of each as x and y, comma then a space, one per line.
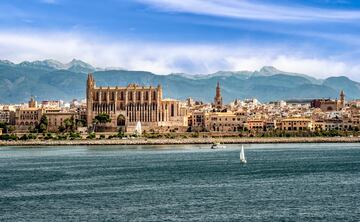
143, 141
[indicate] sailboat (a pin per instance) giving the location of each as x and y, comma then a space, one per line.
242, 155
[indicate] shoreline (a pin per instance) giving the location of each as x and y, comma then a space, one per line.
143, 141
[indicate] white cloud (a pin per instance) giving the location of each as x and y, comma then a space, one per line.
253, 10
165, 58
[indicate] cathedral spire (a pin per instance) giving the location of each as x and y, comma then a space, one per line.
90, 80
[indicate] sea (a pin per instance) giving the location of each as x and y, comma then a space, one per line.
280, 182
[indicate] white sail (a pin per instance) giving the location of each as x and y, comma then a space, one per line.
242, 155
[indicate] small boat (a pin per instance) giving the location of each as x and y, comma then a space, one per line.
217, 146
242, 155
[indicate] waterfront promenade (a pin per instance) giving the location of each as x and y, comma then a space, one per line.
144, 141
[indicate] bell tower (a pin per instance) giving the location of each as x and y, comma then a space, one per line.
32, 103
218, 103
342, 99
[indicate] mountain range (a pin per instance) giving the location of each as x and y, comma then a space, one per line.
53, 80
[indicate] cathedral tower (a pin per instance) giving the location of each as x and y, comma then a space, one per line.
90, 85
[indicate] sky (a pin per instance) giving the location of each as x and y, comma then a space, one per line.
320, 38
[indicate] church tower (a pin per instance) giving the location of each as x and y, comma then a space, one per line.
342, 99
218, 103
32, 103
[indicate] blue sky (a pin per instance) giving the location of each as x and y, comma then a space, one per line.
316, 37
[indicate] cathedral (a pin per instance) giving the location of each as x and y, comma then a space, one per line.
129, 105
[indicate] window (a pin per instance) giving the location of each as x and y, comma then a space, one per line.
172, 110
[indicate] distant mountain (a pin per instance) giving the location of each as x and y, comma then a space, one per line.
79, 66
343, 83
75, 65
50, 79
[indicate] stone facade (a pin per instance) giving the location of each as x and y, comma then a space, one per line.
329, 105
131, 104
223, 122
295, 124
26, 118
256, 124
56, 118
7, 116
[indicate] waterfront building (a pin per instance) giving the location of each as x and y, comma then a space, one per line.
7, 115
256, 124
223, 122
56, 118
270, 124
197, 119
127, 105
338, 124
296, 124
27, 117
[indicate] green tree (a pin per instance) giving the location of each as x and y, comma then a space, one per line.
69, 124
24, 137
4, 126
61, 129
43, 124
74, 136
11, 129
91, 136
48, 136
102, 118
80, 122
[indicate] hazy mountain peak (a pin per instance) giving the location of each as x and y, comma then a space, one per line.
80, 66
74, 65
270, 70
7, 62
78, 62
49, 63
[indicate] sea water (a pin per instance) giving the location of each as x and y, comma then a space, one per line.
280, 182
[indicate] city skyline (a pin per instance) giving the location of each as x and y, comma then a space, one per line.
179, 110
318, 38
